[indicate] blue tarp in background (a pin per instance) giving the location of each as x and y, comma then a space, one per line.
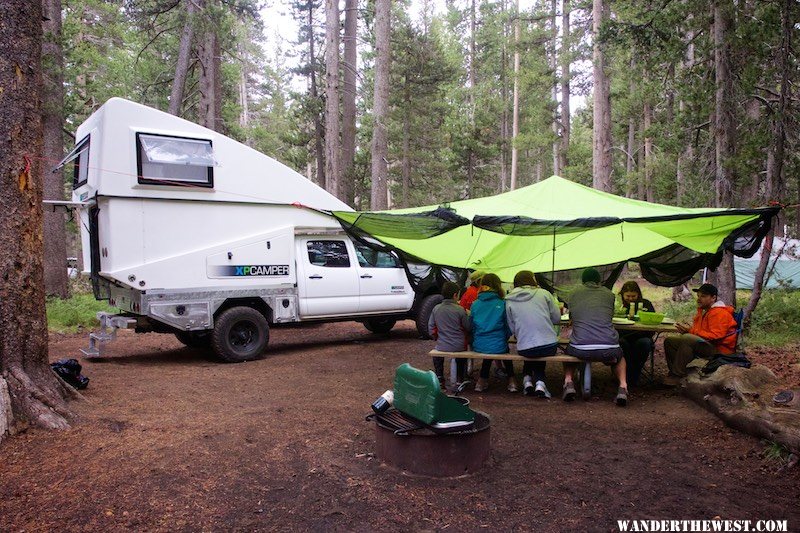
785, 275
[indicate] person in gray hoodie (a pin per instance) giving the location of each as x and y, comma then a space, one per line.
531, 313
450, 326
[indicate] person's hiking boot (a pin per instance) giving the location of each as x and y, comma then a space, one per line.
481, 385
512, 385
671, 381
500, 372
622, 397
569, 392
541, 390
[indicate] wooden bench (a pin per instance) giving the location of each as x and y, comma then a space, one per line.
585, 377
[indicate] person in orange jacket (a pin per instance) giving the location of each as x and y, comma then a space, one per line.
712, 332
471, 294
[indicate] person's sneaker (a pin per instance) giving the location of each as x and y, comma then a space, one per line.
500, 373
541, 390
481, 385
622, 397
512, 385
527, 386
569, 392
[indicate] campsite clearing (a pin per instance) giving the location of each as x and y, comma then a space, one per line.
171, 440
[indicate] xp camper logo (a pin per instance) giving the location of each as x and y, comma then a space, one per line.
238, 271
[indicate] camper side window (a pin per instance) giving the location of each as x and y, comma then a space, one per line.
165, 160
328, 254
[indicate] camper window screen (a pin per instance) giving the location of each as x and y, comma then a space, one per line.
172, 159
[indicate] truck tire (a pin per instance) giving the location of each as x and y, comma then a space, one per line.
380, 325
194, 339
240, 334
424, 313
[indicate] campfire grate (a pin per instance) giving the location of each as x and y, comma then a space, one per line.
403, 424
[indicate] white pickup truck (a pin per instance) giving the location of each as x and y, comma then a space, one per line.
189, 232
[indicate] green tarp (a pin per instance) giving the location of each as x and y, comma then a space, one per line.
557, 225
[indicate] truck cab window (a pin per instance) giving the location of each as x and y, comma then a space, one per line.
369, 258
328, 254
165, 160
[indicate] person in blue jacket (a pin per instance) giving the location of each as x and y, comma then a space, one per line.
490, 329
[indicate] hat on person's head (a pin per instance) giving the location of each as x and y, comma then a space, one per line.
707, 288
591, 275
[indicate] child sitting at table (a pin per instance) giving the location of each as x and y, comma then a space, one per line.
450, 326
636, 345
490, 331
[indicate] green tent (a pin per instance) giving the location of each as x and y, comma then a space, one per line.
558, 225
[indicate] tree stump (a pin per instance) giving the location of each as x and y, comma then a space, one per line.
742, 398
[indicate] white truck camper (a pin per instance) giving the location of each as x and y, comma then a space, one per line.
189, 232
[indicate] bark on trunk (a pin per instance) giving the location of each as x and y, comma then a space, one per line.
504, 115
182, 65
601, 146
332, 122
724, 128
471, 103
55, 237
210, 80
515, 112
379, 198
319, 131
406, 165
36, 396
566, 64
554, 69
350, 69
648, 153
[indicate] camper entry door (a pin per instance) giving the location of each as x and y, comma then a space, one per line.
328, 280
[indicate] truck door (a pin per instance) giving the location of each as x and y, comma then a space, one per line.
382, 281
328, 285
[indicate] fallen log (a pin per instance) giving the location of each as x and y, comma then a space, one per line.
743, 399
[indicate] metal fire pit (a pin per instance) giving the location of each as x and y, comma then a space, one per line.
407, 444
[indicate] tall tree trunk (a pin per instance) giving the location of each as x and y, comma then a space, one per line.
182, 65
210, 76
629, 161
648, 152
406, 165
504, 99
601, 134
724, 128
29, 391
350, 69
472, 132
566, 65
55, 235
555, 87
332, 122
380, 150
776, 153
515, 113
319, 131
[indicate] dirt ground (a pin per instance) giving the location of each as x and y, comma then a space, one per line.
170, 440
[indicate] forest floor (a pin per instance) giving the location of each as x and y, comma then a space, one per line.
169, 440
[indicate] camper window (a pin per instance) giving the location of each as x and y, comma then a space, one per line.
163, 160
370, 258
80, 167
328, 254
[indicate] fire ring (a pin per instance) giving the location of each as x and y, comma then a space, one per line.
424, 452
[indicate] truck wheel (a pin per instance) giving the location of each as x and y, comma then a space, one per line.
379, 325
194, 339
424, 313
240, 334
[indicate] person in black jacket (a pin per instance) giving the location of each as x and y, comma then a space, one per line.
636, 345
